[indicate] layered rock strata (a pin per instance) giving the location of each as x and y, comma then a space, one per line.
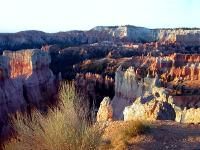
127, 33
25, 80
155, 96
128, 87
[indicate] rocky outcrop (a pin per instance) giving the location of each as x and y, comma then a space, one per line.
191, 115
152, 97
149, 108
128, 87
150, 103
105, 112
174, 66
126, 83
25, 80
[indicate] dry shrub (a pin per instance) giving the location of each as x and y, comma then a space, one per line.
129, 130
134, 128
63, 128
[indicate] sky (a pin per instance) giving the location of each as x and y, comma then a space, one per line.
65, 15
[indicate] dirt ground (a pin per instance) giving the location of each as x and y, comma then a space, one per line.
162, 135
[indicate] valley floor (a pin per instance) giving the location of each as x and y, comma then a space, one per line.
162, 135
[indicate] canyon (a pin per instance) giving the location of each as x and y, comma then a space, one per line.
158, 88
149, 74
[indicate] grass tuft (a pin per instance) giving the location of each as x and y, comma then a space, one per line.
63, 128
128, 131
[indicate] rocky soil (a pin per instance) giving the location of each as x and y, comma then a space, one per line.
162, 135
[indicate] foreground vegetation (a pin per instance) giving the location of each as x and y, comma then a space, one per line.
63, 128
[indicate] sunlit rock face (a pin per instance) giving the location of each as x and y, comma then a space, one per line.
25, 80
126, 84
128, 33
128, 87
151, 108
105, 112
191, 115
182, 36
141, 34
164, 82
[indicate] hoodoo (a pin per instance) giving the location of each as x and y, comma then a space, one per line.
25, 79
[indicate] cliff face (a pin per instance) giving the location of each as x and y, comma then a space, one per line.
140, 34
182, 36
11, 90
25, 80
128, 87
32, 39
126, 84
130, 33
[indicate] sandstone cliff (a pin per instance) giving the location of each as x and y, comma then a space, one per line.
128, 87
140, 34
127, 33
161, 92
25, 80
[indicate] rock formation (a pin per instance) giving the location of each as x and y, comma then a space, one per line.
141, 34
154, 89
127, 88
105, 112
11, 90
191, 115
149, 108
127, 33
25, 80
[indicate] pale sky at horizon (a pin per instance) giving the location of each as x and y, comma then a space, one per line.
64, 15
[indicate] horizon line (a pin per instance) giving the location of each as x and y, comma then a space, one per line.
85, 30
